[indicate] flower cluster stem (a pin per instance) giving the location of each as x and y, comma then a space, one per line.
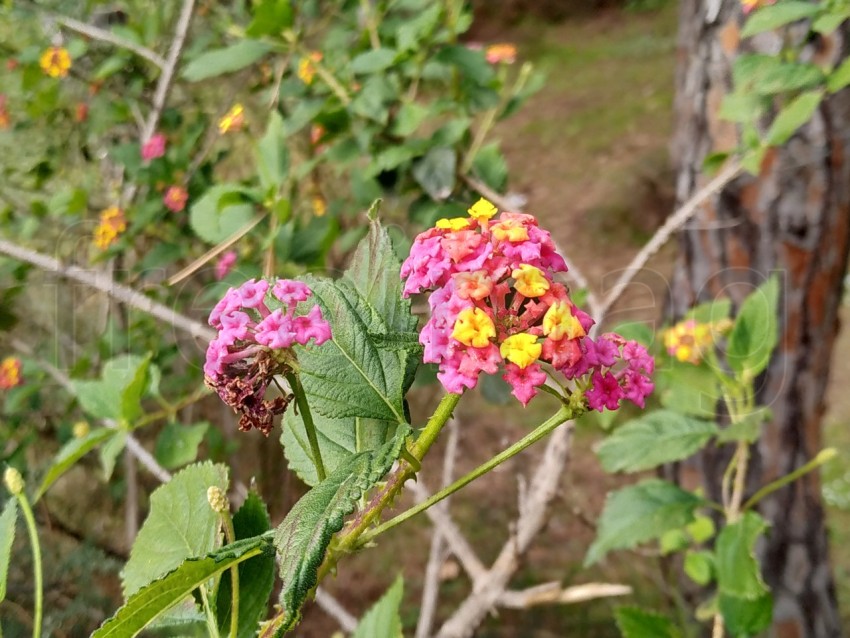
36, 561
230, 537
309, 426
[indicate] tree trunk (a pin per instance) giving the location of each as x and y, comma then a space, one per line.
792, 219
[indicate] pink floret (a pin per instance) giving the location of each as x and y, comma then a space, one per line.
290, 292
276, 331
311, 326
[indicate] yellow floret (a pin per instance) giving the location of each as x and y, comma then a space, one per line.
474, 327
530, 281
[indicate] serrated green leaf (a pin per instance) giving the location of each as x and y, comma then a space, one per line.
699, 566
304, 535
839, 77
382, 620
109, 452
177, 444
743, 617
96, 399
270, 18
436, 173
373, 61
220, 212
168, 590
746, 429
640, 623
738, 571
689, 389
767, 75
796, 113
778, 15
272, 155
256, 576
657, 437
71, 452
226, 60
755, 332
639, 513
7, 536
181, 524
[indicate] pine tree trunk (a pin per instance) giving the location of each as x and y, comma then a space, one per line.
792, 219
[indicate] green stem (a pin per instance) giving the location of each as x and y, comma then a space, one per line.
230, 536
371, 23
36, 560
562, 415
823, 457
309, 426
348, 541
212, 624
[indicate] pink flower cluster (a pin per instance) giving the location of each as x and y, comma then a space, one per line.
154, 147
495, 303
254, 344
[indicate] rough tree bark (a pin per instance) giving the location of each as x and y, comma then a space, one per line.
794, 219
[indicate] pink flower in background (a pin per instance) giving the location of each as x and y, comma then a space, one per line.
225, 264
254, 345
175, 198
154, 147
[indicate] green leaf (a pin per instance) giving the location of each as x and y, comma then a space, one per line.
778, 15
270, 18
699, 566
168, 590
220, 212
412, 31
472, 64
839, 77
738, 571
711, 311
639, 513
793, 116
491, 168
7, 536
177, 444
658, 437
435, 173
408, 118
272, 154
673, 541
339, 440
829, 22
373, 61
363, 371
382, 620
640, 623
109, 452
688, 388
227, 60
755, 332
304, 535
256, 576
741, 107
747, 428
118, 393
71, 452
701, 529
744, 617
768, 75
181, 524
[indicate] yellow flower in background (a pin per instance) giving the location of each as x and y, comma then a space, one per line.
688, 340
112, 224
320, 206
233, 120
80, 429
55, 61
501, 53
307, 67
10, 373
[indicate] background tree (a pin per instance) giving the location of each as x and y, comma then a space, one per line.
792, 218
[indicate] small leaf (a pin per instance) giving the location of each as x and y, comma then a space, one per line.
408, 119
658, 437
688, 388
639, 513
755, 332
168, 590
382, 620
303, 537
738, 571
272, 154
793, 116
778, 15
741, 107
699, 566
220, 212
256, 576
71, 452
491, 168
701, 529
746, 429
640, 623
109, 452
839, 77
673, 541
435, 173
181, 524
177, 444
711, 311
7, 536
743, 617
373, 61
227, 60
270, 18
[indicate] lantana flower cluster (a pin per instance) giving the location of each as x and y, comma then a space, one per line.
495, 305
254, 344
10, 373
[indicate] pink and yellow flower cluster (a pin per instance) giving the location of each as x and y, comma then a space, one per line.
495, 304
254, 344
